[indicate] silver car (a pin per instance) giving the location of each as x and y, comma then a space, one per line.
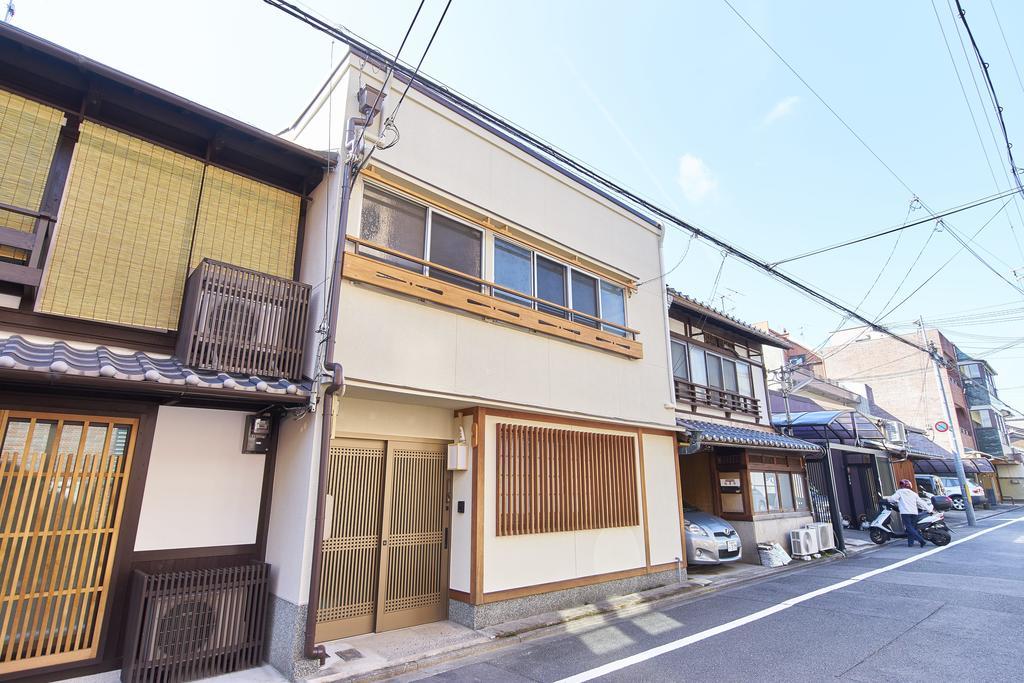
710, 539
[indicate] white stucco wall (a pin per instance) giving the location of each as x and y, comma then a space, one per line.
662, 499
400, 342
201, 490
531, 559
293, 508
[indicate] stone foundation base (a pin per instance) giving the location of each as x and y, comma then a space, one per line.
480, 616
286, 640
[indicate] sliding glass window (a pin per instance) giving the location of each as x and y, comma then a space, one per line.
584, 298
613, 307
395, 223
513, 268
551, 285
456, 246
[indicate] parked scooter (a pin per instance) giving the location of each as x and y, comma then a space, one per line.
932, 525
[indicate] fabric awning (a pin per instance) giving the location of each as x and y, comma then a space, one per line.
713, 433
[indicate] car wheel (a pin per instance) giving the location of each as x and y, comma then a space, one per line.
878, 536
958, 502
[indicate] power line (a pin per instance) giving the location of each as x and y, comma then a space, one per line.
387, 79
888, 231
389, 123
938, 270
1007, 44
1014, 171
970, 110
834, 113
473, 111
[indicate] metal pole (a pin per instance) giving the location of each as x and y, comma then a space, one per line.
938, 363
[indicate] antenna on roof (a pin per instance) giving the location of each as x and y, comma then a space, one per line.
9, 11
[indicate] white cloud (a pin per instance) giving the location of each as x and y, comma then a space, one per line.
695, 178
781, 110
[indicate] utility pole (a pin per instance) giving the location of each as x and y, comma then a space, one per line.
939, 363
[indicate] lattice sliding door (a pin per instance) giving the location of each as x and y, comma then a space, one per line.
350, 549
414, 556
384, 554
63, 480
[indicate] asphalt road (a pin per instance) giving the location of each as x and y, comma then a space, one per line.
957, 613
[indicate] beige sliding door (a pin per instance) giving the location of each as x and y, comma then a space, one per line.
384, 554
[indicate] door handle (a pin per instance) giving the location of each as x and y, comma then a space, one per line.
384, 542
446, 539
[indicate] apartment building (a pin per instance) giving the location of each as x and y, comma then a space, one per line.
903, 379
152, 340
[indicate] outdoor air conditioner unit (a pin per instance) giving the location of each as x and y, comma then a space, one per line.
826, 535
187, 625
803, 542
895, 432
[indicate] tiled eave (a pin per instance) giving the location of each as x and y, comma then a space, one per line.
100, 367
713, 433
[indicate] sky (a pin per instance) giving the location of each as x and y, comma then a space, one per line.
683, 103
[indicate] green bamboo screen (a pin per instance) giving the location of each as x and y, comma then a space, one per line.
124, 232
28, 136
246, 223
132, 215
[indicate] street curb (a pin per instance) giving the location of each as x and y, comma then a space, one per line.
619, 606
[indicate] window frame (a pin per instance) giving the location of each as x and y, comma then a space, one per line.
488, 261
428, 231
738, 366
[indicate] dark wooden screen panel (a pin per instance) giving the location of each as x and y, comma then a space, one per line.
187, 625
564, 480
238, 320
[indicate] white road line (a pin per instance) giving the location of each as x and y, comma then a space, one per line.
761, 614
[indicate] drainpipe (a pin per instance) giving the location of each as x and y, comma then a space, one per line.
312, 650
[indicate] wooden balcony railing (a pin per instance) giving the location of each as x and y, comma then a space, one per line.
24, 250
729, 401
237, 320
485, 298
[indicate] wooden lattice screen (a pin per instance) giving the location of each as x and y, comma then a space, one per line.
62, 490
564, 480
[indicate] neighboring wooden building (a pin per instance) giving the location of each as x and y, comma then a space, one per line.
742, 470
153, 328
507, 419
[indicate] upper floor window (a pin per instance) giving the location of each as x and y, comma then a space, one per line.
694, 364
401, 225
415, 236
972, 370
981, 418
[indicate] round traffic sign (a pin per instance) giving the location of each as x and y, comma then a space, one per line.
942, 426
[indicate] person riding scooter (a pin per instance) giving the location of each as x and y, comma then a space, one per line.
909, 503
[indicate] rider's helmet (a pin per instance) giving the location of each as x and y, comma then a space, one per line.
905, 484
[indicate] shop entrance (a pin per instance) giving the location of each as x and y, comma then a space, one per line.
385, 548
62, 490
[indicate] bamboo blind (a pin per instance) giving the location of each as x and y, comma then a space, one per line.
246, 223
564, 480
137, 217
123, 236
62, 484
28, 136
